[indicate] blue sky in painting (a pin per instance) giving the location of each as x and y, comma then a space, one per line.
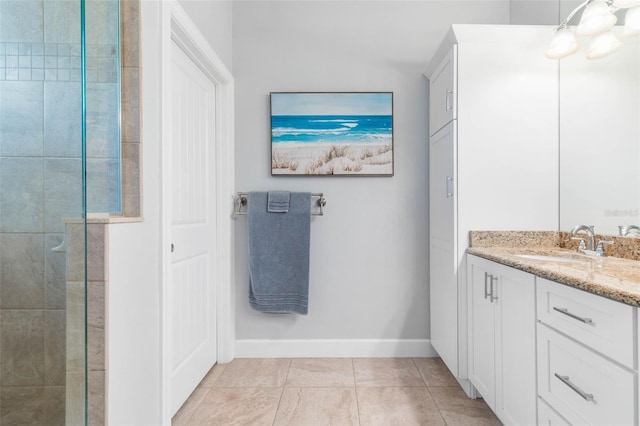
331, 104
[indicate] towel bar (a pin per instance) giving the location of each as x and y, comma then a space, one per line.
241, 203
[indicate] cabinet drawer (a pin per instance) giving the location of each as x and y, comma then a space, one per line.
547, 416
602, 324
582, 386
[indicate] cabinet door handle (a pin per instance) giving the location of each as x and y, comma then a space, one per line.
486, 286
576, 389
493, 296
449, 186
566, 312
448, 105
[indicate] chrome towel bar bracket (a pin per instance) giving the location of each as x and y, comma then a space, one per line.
242, 201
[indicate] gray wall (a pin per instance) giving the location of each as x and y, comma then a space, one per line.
369, 253
213, 19
535, 12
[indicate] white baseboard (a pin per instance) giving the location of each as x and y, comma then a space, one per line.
334, 348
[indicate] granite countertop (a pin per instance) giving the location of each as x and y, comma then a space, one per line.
611, 277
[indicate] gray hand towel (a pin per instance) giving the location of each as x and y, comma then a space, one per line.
278, 201
279, 254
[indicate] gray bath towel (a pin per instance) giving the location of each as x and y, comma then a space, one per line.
279, 254
278, 201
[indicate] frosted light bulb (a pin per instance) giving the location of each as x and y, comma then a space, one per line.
596, 19
563, 44
603, 45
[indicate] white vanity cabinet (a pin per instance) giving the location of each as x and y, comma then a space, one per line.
493, 159
587, 356
545, 353
502, 338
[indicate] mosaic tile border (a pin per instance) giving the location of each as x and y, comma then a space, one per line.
57, 62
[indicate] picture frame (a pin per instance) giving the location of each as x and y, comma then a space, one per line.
332, 134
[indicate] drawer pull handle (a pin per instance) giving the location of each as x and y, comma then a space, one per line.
493, 296
574, 316
576, 389
447, 105
486, 292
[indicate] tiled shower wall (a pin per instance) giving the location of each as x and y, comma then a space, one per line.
40, 184
57, 62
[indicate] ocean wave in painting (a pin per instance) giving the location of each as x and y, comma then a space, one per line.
331, 129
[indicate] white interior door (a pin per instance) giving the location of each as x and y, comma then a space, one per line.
192, 292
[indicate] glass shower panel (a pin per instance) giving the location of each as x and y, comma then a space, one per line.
44, 196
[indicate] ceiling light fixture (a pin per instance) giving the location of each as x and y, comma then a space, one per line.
597, 20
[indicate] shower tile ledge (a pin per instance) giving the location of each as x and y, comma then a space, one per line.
106, 219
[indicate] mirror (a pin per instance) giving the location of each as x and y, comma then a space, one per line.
600, 135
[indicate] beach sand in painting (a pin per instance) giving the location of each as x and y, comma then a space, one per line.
332, 158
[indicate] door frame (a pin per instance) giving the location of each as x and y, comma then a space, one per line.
177, 27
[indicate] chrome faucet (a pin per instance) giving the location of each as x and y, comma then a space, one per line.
587, 230
628, 229
600, 248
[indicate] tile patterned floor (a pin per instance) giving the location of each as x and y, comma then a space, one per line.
332, 391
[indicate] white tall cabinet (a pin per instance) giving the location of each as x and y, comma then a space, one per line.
493, 158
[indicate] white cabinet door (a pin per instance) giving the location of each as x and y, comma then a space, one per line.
442, 96
502, 336
481, 330
443, 281
515, 346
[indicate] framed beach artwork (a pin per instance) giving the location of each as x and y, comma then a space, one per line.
332, 134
